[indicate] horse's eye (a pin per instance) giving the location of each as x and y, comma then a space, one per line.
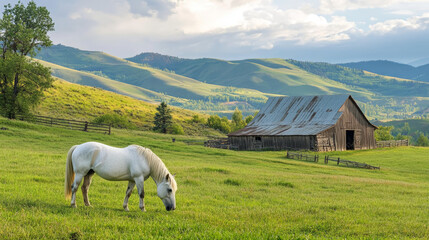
169, 190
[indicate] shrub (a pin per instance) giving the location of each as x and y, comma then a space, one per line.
176, 129
383, 133
114, 120
198, 119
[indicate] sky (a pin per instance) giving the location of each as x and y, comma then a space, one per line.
335, 31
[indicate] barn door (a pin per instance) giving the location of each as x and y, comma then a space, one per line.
358, 139
350, 140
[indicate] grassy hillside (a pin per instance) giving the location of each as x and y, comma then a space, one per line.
93, 80
380, 85
266, 75
383, 67
222, 194
393, 69
143, 82
68, 100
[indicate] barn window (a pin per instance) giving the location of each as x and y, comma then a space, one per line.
258, 139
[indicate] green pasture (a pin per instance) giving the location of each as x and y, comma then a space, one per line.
222, 194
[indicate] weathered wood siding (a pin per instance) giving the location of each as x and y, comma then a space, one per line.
334, 139
273, 142
331, 139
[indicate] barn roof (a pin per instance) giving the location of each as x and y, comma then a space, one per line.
308, 115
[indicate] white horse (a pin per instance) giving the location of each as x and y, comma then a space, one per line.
133, 164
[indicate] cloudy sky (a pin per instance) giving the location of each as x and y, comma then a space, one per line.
314, 30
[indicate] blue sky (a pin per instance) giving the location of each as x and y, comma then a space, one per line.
313, 30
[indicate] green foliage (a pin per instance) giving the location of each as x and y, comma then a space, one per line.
23, 31
237, 120
221, 124
410, 129
422, 140
176, 129
383, 133
198, 119
248, 119
115, 120
163, 118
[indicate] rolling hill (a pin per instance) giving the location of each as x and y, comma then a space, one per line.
74, 101
267, 75
219, 86
142, 82
393, 69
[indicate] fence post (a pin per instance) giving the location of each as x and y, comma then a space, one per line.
338, 163
52, 121
109, 128
86, 127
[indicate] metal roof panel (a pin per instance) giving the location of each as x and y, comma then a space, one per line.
303, 115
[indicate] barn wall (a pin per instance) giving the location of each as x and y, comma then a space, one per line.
273, 142
352, 119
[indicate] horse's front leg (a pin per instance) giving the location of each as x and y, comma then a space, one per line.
130, 188
140, 187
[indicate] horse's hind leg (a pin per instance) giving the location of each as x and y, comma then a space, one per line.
128, 194
75, 186
85, 186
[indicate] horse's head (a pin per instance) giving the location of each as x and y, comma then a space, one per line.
167, 192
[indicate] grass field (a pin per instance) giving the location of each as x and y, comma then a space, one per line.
222, 194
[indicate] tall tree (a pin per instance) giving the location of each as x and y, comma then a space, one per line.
23, 32
163, 118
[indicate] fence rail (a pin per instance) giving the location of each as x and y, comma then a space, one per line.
392, 143
337, 160
222, 143
67, 123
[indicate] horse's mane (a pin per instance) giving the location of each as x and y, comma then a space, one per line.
158, 170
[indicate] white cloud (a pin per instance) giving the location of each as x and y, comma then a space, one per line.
413, 23
255, 23
331, 6
402, 12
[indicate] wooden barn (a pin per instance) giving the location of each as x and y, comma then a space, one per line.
317, 123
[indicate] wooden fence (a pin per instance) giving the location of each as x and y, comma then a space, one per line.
222, 143
337, 160
67, 123
392, 143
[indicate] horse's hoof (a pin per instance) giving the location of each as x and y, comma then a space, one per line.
73, 206
126, 209
143, 209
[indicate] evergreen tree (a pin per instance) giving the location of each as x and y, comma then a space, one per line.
23, 31
163, 118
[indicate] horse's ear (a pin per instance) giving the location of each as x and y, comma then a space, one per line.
166, 177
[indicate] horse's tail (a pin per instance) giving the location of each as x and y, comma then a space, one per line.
69, 173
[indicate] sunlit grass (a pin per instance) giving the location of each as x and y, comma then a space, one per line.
222, 194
